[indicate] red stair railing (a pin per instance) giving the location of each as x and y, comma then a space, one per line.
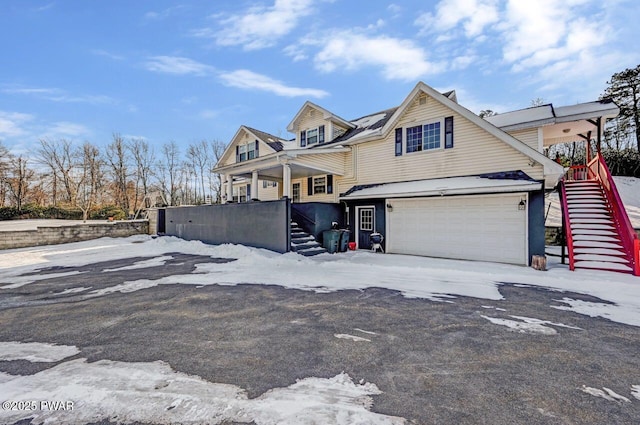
599, 170
567, 224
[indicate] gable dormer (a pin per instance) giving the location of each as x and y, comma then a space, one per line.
314, 125
249, 144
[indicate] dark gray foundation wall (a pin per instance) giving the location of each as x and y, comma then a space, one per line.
536, 224
316, 217
259, 224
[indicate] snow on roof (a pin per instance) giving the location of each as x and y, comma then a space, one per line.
588, 110
369, 120
547, 114
444, 186
537, 114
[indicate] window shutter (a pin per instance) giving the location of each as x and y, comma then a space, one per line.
303, 139
448, 132
321, 134
310, 186
257, 144
398, 141
329, 183
237, 153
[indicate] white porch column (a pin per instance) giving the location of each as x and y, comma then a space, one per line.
229, 188
254, 185
286, 180
223, 188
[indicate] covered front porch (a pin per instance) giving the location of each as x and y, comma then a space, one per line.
285, 168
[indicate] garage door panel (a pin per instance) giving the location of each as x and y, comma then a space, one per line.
488, 228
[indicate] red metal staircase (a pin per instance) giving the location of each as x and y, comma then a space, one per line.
598, 232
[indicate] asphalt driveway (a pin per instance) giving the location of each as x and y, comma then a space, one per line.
435, 362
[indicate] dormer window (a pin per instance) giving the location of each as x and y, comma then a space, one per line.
312, 136
246, 152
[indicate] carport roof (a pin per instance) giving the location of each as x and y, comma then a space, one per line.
494, 183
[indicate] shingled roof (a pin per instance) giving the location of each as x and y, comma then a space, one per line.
274, 141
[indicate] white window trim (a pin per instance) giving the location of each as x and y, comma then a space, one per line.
442, 135
314, 185
245, 147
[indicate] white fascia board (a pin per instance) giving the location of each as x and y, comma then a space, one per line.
274, 159
528, 187
326, 114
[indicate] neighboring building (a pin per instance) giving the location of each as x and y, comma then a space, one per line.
433, 177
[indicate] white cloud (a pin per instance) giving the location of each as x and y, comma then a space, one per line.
398, 59
177, 65
65, 129
100, 52
260, 26
250, 80
544, 29
473, 15
59, 95
11, 123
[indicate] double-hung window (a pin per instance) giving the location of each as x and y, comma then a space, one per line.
247, 152
312, 136
320, 185
424, 137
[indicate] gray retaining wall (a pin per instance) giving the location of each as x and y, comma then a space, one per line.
74, 233
259, 224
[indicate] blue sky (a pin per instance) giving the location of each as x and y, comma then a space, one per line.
190, 70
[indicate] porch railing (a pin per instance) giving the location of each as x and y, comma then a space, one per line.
567, 225
578, 172
598, 169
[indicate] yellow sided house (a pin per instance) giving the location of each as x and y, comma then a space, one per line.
430, 176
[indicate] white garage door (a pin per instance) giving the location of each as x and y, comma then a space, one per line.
485, 228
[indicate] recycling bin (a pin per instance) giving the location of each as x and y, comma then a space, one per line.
331, 240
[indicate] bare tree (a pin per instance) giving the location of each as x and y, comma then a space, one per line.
19, 180
58, 157
88, 177
169, 172
198, 155
4, 169
144, 159
215, 180
116, 156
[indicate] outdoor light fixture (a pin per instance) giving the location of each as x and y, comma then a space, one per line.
389, 207
522, 204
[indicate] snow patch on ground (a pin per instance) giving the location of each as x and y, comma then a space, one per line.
364, 332
35, 352
352, 337
605, 393
73, 290
143, 264
154, 393
594, 309
20, 281
529, 325
522, 327
635, 391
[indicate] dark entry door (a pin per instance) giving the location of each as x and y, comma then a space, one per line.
161, 227
366, 225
